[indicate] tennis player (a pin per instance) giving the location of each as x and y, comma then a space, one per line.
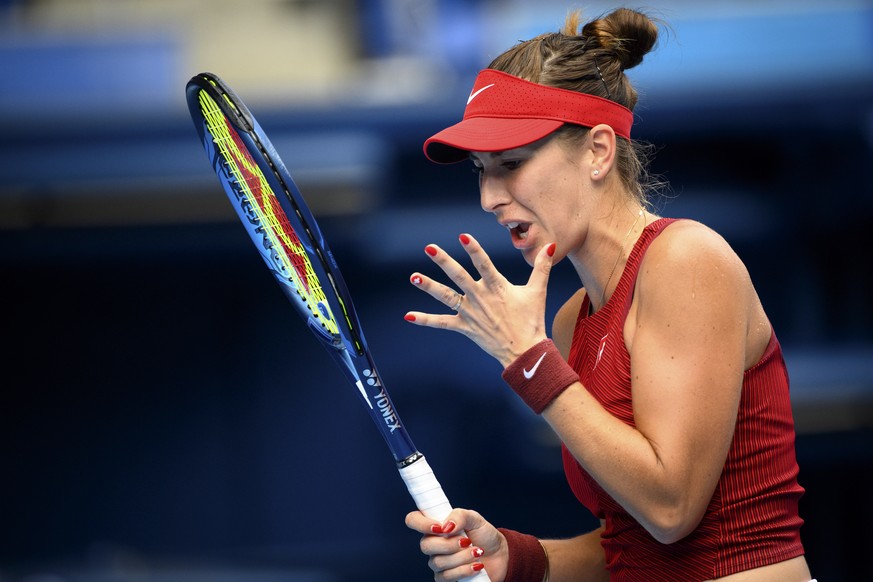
662, 374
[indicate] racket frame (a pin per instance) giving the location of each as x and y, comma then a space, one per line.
347, 344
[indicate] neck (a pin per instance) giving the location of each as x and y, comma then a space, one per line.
607, 246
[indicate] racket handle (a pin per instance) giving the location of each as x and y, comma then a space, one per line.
430, 499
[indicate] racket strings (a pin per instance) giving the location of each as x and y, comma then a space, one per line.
289, 253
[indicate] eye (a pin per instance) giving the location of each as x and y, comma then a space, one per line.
511, 164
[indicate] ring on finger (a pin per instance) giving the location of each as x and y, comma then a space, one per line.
458, 304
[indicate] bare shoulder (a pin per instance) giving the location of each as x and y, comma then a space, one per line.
689, 248
565, 322
691, 279
691, 274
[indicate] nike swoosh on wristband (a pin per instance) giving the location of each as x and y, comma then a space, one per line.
476, 94
528, 374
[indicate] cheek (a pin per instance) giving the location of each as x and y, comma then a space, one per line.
546, 184
559, 197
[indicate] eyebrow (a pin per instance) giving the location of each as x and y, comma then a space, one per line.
492, 155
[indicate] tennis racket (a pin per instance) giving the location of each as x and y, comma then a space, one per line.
281, 226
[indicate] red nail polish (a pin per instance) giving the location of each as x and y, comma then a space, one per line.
551, 249
465, 240
415, 279
409, 317
478, 552
431, 250
465, 542
436, 528
449, 527
478, 566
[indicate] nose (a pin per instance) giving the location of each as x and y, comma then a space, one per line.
492, 193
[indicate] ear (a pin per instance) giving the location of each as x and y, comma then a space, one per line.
602, 143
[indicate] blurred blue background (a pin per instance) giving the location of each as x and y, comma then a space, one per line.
165, 416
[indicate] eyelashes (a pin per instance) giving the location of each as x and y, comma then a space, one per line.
508, 165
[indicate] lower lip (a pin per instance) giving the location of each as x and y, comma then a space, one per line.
521, 243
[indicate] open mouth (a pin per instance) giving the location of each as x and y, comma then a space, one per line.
518, 229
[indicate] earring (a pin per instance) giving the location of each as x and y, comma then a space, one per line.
596, 172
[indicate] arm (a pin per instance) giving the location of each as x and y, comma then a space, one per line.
452, 556
687, 334
578, 559
565, 322
687, 337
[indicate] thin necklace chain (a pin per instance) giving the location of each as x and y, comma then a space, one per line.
618, 258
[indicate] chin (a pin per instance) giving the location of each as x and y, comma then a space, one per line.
529, 255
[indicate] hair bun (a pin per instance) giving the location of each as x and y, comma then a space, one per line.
627, 33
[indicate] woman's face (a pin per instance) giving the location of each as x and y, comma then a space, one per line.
537, 192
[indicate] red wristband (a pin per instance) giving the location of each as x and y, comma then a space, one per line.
539, 375
527, 559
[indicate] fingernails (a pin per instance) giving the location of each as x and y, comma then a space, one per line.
415, 279
465, 542
551, 249
478, 566
478, 552
465, 240
443, 529
409, 317
431, 250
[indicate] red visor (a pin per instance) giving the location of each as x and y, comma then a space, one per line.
505, 112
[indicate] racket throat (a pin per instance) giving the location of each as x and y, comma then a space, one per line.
409, 460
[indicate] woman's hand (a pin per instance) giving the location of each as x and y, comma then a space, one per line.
501, 318
454, 555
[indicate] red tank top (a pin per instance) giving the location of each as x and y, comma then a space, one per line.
752, 519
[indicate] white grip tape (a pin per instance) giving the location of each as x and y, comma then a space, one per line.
430, 499
426, 490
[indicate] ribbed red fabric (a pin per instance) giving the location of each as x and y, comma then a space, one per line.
539, 375
527, 559
752, 519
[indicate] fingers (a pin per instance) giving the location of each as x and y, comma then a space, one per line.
539, 277
457, 521
457, 273
445, 294
452, 553
442, 293
483, 265
491, 311
450, 298
416, 520
460, 565
482, 262
452, 268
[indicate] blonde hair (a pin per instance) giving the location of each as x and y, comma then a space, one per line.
592, 58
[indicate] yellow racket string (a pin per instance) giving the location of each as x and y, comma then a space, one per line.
285, 242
